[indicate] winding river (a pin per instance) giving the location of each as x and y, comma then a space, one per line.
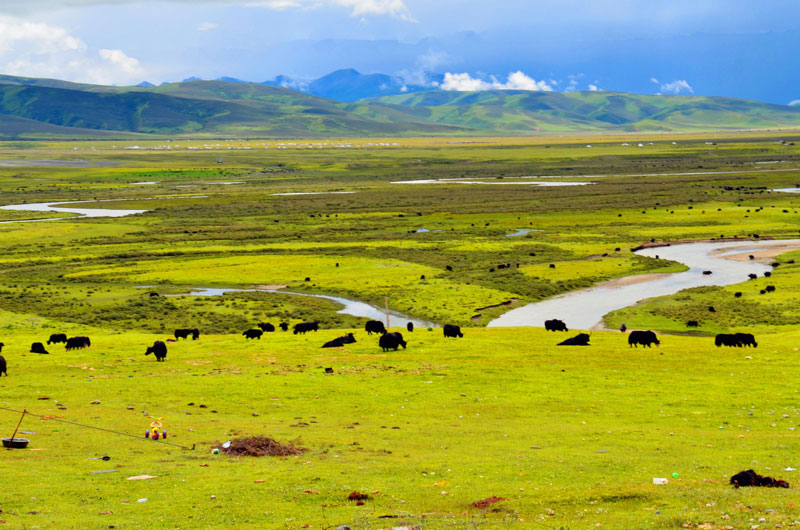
582, 309
57, 207
585, 309
350, 307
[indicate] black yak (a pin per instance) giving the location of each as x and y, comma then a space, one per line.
391, 341
304, 327
38, 347
410, 326
159, 349
3, 365
77, 343
266, 326
751, 478
57, 338
253, 334
374, 326
186, 333
284, 326
452, 331
555, 325
581, 339
645, 338
340, 341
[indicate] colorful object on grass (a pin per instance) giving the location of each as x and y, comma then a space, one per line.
155, 431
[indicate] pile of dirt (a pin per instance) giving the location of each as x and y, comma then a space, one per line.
259, 446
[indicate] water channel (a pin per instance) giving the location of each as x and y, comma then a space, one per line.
584, 309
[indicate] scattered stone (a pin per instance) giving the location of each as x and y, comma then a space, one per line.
95, 402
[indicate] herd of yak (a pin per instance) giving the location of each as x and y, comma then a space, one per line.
387, 341
648, 338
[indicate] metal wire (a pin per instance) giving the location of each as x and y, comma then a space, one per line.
50, 418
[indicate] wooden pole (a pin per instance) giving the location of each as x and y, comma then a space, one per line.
24, 411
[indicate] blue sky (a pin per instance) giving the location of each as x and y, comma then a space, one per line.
739, 48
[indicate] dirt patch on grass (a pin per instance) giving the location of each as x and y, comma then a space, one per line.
275, 287
485, 503
260, 446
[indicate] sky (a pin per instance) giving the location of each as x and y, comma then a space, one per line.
736, 48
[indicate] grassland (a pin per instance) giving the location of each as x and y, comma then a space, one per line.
571, 437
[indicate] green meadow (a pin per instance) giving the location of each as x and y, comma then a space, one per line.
569, 437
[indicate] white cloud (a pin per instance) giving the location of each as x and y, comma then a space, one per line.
119, 59
358, 8
516, 81
594, 88
207, 26
394, 8
675, 87
33, 49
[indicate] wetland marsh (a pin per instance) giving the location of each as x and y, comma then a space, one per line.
569, 437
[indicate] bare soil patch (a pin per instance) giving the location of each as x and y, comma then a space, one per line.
260, 446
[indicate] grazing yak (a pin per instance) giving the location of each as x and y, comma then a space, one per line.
266, 327
38, 347
77, 343
391, 341
581, 339
304, 327
452, 331
623, 328
751, 478
340, 341
374, 326
737, 340
692, 324
770, 288
253, 334
1, 346
3, 366
555, 325
752, 276
185, 333
284, 326
159, 349
410, 326
645, 338
56, 338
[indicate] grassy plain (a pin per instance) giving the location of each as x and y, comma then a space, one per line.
502, 412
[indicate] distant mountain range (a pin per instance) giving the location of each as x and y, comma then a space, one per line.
48, 108
346, 85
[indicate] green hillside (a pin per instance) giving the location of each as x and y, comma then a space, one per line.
578, 111
36, 108
156, 112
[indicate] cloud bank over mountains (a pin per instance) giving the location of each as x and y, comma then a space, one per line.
516, 81
714, 47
